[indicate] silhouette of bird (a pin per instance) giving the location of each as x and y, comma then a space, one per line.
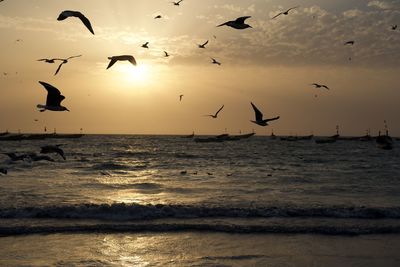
177, 3
203, 45
114, 59
36, 157
54, 99
320, 85
158, 17
259, 117
349, 42
216, 113
284, 12
69, 13
237, 24
64, 61
53, 149
180, 97
145, 45
214, 61
166, 54
394, 27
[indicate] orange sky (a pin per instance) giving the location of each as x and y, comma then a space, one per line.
272, 65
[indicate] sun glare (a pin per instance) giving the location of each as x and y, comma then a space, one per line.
138, 74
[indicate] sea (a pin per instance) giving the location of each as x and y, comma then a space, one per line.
136, 200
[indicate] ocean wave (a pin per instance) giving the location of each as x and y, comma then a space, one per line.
122, 211
206, 227
117, 166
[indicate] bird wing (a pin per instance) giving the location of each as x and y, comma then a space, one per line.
219, 111
85, 21
277, 15
223, 24
272, 119
54, 96
258, 113
325, 87
58, 69
131, 60
291, 8
242, 19
112, 62
73, 57
205, 43
42, 59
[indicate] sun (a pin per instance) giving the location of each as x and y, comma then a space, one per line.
135, 74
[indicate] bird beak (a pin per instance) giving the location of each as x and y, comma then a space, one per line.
67, 109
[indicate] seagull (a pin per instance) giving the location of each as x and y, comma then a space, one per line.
53, 149
320, 85
349, 42
166, 54
180, 97
64, 61
177, 3
114, 59
35, 157
285, 12
69, 13
145, 45
3, 170
214, 61
259, 117
216, 113
237, 24
14, 157
158, 17
54, 99
203, 45
394, 27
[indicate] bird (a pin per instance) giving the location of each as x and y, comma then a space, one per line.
64, 61
203, 45
48, 60
259, 117
36, 157
53, 149
180, 97
145, 45
114, 59
349, 42
394, 27
158, 17
320, 85
237, 24
216, 113
214, 61
3, 170
14, 157
166, 54
177, 3
69, 13
284, 12
54, 99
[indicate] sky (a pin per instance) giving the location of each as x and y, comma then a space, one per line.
272, 64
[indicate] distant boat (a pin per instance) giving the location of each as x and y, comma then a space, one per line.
188, 136
208, 140
20, 137
4, 133
325, 140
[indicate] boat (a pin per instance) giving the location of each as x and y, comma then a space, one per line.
208, 140
325, 140
188, 136
20, 137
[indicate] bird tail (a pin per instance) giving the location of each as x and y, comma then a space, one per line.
41, 106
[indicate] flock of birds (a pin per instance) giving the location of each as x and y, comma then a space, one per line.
54, 96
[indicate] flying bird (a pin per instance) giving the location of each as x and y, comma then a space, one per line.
180, 97
214, 61
284, 12
177, 3
166, 54
259, 117
203, 45
317, 85
64, 61
54, 99
145, 45
237, 24
69, 13
216, 113
394, 27
349, 42
114, 59
158, 17
53, 149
